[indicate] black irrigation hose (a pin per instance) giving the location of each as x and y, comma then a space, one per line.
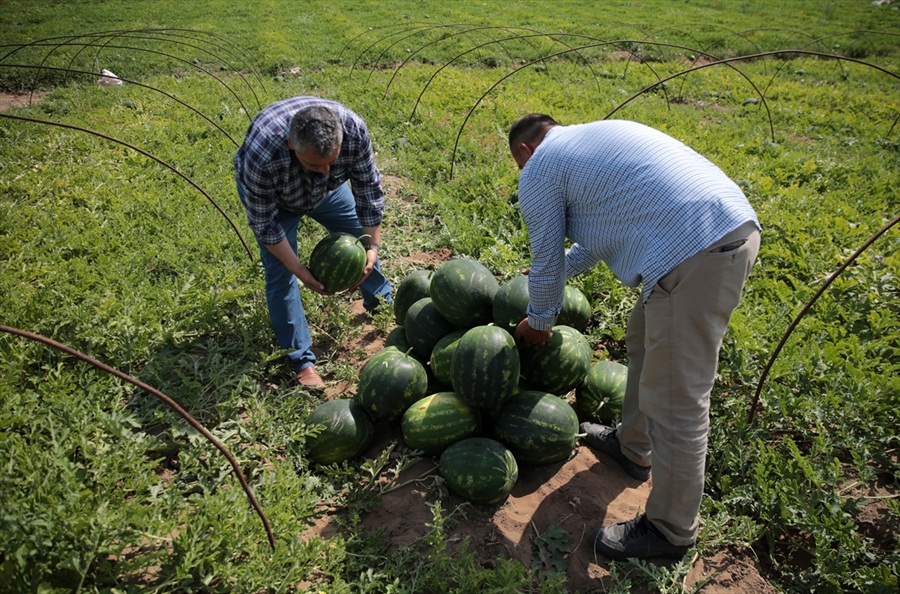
751, 57
169, 402
129, 33
146, 154
160, 53
755, 402
151, 38
646, 89
242, 59
519, 37
820, 41
133, 82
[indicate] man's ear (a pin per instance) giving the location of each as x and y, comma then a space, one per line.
525, 149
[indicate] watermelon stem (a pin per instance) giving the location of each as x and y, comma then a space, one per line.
417, 479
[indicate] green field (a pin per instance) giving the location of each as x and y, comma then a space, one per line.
123, 238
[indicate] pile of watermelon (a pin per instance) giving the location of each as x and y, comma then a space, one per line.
463, 390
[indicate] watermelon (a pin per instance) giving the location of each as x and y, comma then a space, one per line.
511, 303
437, 421
416, 285
389, 383
576, 309
346, 430
601, 395
560, 364
338, 261
537, 427
463, 292
511, 306
425, 327
397, 338
441, 360
485, 367
479, 469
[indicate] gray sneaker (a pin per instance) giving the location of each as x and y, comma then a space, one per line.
603, 439
637, 538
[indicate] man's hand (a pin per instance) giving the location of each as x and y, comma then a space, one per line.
530, 335
371, 256
310, 282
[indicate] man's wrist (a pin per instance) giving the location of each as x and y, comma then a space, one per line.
372, 246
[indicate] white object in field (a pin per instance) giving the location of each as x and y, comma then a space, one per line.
108, 79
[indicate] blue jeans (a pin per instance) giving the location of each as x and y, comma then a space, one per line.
336, 213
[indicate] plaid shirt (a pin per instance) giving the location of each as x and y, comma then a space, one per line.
625, 194
273, 179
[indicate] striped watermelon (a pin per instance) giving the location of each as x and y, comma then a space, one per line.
346, 431
425, 327
479, 469
511, 306
463, 292
437, 421
338, 261
560, 364
511, 303
485, 367
416, 285
576, 310
389, 383
537, 427
601, 395
397, 338
441, 360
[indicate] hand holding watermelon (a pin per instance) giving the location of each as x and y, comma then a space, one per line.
530, 335
311, 282
340, 261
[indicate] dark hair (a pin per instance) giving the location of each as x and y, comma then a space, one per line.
316, 126
530, 128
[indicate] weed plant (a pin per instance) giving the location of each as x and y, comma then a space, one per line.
106, 250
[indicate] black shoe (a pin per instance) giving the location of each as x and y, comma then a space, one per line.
603, 439
638, 539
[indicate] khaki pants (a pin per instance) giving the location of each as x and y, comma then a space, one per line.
673, 343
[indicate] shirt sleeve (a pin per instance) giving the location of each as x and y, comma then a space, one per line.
365, 179
544, 211
259, 196
579, 259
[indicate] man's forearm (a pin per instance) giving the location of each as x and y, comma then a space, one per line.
282, 250
374, 235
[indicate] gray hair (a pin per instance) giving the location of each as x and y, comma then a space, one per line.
318, 127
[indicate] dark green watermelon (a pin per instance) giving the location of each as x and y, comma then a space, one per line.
511, 303
479, 469
537, 427
560, 364
437, 421
600, 396
397, 338
338, 261
463, 292
390, 383
485, 367
576, 310
415, 286
346, 431
425, 326
441, 360
511, 306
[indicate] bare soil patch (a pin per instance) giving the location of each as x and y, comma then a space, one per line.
9, 100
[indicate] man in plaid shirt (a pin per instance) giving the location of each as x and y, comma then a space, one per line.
307, 156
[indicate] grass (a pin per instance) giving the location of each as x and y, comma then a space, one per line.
109, 251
